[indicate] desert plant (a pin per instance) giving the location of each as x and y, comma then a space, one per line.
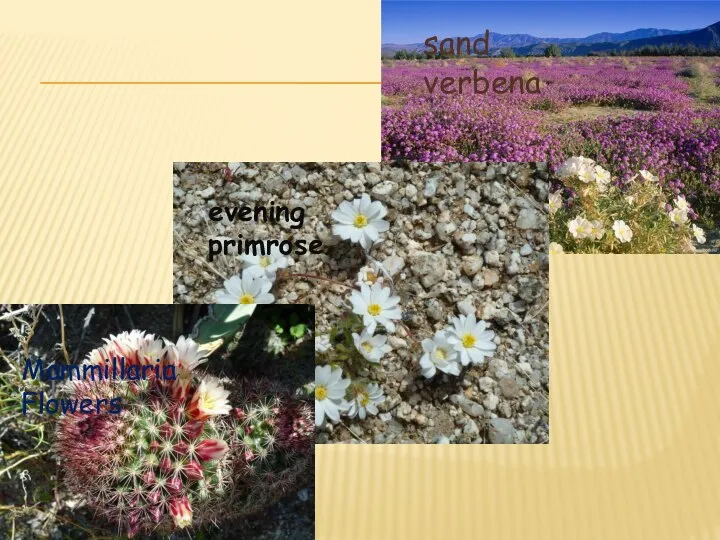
272, 439
591, 214
23, 437
177, 453
552, 50
286, 329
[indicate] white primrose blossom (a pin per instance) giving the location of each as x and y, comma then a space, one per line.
376, 306
264, 265
470, 339
648, 176
602, 177
622, 231
555, 202
556, 248
699, 234
682, 204
678, 216
579, 166
369, 275
579, 227
246, 290
586, 174
372, 348
597, 231
439, 355
360, 221
330, 390
585, 170
365, 401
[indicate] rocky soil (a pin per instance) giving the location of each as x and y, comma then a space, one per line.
463, 238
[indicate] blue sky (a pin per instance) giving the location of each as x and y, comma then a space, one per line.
413, 21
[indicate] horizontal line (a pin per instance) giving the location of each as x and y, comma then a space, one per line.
199, 82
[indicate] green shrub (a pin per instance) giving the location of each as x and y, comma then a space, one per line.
593, 215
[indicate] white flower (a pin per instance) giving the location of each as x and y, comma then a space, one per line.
586, 174
439, 355
699, 234
630, 200
322, 343
579, 227
597, 231
556, 248
187, 353
602, 177
622, 231
575, 166
366, 401
470, 339
371, 347
209, 399
360, 221
329, 394
678, 216
369, 275
682, 204
555, 202
246, 290
264, 265
648, 176
128, 343
375, 305
152, 351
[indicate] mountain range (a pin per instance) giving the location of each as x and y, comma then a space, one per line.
526, 44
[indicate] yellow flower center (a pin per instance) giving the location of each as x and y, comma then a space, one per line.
468, 340
246, 299
440, 354
371, 277
208, 401
360, 221
321, 393
368, 348
264, 262
364, 399
374, 309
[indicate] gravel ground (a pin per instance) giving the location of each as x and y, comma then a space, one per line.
463, 238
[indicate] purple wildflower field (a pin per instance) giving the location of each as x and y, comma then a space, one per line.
646, 115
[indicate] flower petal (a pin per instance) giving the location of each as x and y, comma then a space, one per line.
210, 449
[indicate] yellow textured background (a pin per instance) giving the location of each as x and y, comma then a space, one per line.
634, 426
86, 215
85, 171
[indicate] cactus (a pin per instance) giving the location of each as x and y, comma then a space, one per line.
274, 433
223, 324
178, 454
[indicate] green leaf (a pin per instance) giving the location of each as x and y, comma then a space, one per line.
223, 322
297, 331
